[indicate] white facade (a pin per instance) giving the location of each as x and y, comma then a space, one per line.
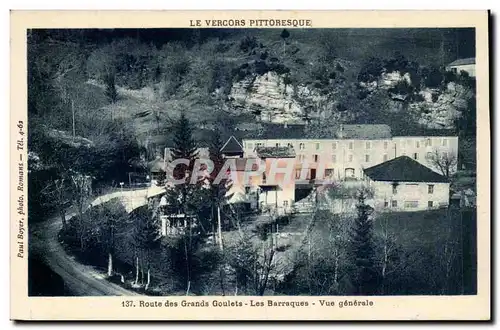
278, 198
347, 158
409, 196
422, 148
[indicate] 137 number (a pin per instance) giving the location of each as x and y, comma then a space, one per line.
127, 303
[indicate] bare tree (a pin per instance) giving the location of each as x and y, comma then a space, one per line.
445, 162
81, 193
338, 243
391, 259
58, 194
449, 252
264, 266
146, 240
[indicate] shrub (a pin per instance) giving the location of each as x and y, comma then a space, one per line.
248, 43
261, 67
280, 69
300, 61
262, 230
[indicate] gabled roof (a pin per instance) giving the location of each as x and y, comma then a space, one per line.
424, 132
275, 152
403, 169
365, 131
348, 131
232, 146
463, 61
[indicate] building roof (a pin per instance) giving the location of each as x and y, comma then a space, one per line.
275, 152
403, 169
424, 132
232, 146
281, 131
365, 131
349, 131
463, 61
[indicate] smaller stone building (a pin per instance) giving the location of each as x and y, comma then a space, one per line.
403, 184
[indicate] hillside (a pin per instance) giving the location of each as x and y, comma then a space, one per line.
226, 78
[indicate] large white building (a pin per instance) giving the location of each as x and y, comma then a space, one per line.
357, 147
398, 168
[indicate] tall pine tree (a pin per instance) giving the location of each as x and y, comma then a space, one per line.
217, 189
365, 277
186, 198
185, 147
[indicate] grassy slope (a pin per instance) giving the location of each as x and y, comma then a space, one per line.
427, 237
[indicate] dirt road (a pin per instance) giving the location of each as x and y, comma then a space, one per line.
80, 280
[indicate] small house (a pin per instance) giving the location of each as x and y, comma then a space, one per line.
463, 64
403, 184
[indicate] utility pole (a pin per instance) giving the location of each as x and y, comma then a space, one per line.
219, 228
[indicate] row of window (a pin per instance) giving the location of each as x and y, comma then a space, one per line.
350, 158
408, 204
368, 158
368, 144
430, 189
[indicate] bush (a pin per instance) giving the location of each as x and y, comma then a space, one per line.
283, 220
279, 69
371, 70
287, 80
248, 43
261, 67
262, 230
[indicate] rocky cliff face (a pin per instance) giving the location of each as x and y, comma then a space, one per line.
441, 108
272, 100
